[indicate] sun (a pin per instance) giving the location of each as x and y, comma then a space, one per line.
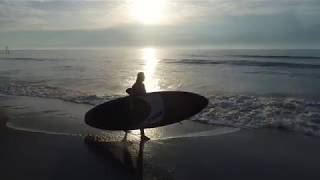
149, 11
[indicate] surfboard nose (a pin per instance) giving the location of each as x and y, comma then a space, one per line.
90, 119
203, 102
196, 102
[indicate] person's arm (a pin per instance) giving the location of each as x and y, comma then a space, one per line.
143, 89
129, 91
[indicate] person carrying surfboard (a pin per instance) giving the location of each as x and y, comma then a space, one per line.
138, 89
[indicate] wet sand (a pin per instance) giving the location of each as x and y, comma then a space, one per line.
185, 154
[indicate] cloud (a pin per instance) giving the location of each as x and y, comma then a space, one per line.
97, 14
109, 22
57, 15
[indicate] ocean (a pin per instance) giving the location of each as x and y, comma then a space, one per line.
246, 88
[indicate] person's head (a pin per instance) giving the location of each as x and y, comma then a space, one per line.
140, 77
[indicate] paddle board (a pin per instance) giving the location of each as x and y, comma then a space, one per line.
151, 110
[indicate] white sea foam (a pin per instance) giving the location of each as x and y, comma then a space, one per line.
38, 90
295, 114
214, 132
12, 126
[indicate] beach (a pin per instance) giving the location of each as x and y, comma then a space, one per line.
188, 151
231, 89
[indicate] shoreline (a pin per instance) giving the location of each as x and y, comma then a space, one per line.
243, 154
52, 116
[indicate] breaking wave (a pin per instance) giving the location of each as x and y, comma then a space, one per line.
260, 56
278, 57
27, 59
294, 114
33, 89
245, 63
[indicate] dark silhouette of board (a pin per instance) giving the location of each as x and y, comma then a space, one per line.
152, 110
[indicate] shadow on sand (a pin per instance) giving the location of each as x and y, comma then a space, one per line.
125, 157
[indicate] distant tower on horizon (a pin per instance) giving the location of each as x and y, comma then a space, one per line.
7, 51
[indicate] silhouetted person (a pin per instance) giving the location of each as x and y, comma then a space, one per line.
138, 89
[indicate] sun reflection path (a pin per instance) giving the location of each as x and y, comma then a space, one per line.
149, 55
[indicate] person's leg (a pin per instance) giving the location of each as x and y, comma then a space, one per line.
143, 136
125, 135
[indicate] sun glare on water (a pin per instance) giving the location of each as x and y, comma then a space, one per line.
149, 11
149, 55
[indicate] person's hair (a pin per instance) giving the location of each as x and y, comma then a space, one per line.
140, 77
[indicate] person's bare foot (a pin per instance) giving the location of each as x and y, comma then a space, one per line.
145, 138
124, 139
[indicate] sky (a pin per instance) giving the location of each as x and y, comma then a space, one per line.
27, 24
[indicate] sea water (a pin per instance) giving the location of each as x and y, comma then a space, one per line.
246, 88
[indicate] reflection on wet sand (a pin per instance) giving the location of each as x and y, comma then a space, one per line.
123, 156
125, 159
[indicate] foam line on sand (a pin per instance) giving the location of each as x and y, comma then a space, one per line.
214, 132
